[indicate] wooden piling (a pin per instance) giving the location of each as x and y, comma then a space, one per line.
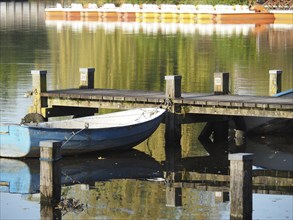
49, 212
50, 173
241, 186
173, 196
173, 125
221, 197
275, 82
221, 83
173, 86
39, 78
87, 78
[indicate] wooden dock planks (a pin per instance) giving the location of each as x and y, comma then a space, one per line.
196, 103
218, 103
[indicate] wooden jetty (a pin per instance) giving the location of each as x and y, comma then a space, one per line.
86, 100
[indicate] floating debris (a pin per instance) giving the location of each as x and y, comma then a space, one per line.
70, 205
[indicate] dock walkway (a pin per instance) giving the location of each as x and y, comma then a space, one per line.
89, 99
196, 103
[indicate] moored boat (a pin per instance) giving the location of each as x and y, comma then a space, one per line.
150, 11
128, 11
283, 16
227, 14
168, 11
109, 10
55, 13
241, 15
187, 11
74, 12
119, 130
205, 12
91, 12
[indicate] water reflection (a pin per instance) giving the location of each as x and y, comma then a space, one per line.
155, 28
23, 176
138, 56
273, 152
134, 184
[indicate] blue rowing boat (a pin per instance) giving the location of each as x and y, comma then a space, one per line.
119, 130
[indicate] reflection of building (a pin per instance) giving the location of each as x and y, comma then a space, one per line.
21, 14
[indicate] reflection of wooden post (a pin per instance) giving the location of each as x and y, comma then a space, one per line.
50, 173
221, 197
221, 83
172, 142
87, 78
221, 131
173, 126
49, 212
275, 81
39, 78
173, 86
173, 196
241, 186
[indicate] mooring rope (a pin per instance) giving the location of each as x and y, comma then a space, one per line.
86, 126
143, 114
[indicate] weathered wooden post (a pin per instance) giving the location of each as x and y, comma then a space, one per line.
87, 78
173, 127
173, 158
275, 81
241, 186
173, 86
50, 173
173, 196
39, 78
172, 142
50, 212
221, 83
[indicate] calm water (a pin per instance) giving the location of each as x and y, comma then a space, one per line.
137, 55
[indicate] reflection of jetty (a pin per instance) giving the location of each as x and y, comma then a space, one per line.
168, 12
134, 164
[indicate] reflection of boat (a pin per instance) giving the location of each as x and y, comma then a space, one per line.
23, 176
117, 130
263, 125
